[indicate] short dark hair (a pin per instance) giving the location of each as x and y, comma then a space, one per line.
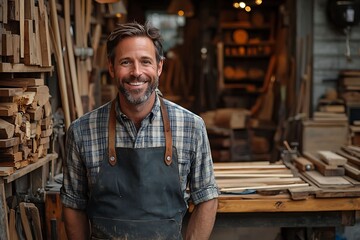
134, 29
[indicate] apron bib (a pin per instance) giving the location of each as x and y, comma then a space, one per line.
138, 193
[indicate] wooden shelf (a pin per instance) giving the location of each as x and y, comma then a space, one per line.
238, 25
31, 167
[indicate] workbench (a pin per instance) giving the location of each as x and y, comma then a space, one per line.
316, 214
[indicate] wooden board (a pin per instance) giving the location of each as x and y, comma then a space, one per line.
6, 171
332, 158
323, 168
7, 92
8, 109
5, 143
320, 136
6, 129
327, 181
21, 82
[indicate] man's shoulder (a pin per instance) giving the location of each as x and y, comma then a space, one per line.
177, 111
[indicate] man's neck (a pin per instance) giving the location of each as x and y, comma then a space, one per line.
136, 113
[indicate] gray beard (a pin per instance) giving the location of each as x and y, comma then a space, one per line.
139, 100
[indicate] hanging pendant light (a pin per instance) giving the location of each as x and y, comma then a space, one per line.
181, 8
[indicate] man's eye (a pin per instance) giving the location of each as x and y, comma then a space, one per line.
124, 62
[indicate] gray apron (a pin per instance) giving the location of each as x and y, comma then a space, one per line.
138, 193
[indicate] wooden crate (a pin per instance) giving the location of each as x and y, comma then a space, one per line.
323, 136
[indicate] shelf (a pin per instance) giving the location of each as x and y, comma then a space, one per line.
22, 68
263, 43
31, 167
239, 25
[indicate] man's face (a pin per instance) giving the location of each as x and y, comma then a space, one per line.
135, 69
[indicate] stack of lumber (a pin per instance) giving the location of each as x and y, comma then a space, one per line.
352, 166
336, 174
349, 80
24, 33
25, 110
25, 121
257, 176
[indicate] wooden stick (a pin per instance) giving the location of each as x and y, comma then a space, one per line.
59, 56
70, 53
285, 186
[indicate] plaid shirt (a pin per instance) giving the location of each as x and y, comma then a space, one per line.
87, 147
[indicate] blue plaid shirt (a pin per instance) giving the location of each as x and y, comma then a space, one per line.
87, 139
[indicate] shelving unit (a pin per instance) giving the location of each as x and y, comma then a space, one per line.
246, 47
38, 174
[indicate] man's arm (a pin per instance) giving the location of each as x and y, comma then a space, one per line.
76, 224
202, 220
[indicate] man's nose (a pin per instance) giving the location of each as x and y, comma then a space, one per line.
137, 70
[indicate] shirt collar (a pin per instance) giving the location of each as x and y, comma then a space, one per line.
120, 116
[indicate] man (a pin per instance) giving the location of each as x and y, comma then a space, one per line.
130, 162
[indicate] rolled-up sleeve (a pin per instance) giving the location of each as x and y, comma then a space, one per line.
203, 186
74, 191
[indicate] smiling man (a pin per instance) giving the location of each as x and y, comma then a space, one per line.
130, 162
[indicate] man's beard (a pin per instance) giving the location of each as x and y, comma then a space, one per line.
130, 95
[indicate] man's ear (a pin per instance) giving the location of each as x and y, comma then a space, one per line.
160, 66
111, 69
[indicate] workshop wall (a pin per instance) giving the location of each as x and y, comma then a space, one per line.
329, 48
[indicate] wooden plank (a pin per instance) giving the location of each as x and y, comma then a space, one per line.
15, 58
7, 44
303, 164
11, 157
37, 43
36, 114
8, 109
285, 186
249, 175
44, 35
350, 158
70, 54
21, 68
323, 168
14, 10
332, 158
352, 172
6, 129
4, 11
38, 89
22, 22
29, 9
327, 181
5, 143
59, 57
7, 92
29, 43
6, 171
47, 109
21, 82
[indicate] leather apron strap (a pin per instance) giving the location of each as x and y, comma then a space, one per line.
112, 130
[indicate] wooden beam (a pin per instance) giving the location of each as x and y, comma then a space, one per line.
6, 129
21, 82
59, 58
8, 92
8, 109
44, 35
